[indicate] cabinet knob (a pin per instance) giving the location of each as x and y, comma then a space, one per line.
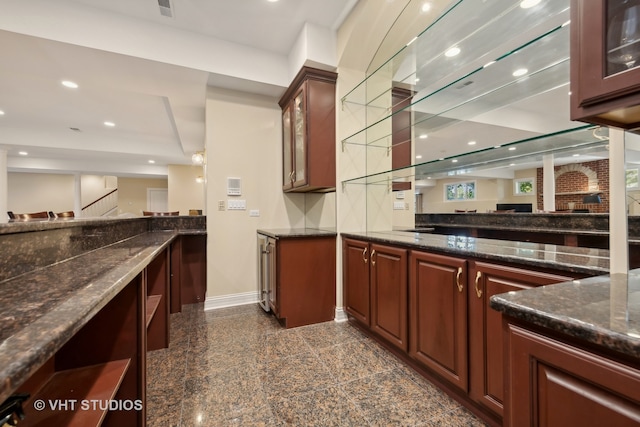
478, 290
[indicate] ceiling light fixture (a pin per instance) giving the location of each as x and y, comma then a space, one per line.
488, 64
152, 161
200, 179
272, 1
452, 52
198, 158
423, 136
109, 124
512, 148
454, 161
426, 7
70, 84
1, 113
471, 143
418, 156
526, 4
520, 72
23, 153
412, 40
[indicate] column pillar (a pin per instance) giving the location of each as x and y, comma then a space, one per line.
618, 245
548, 183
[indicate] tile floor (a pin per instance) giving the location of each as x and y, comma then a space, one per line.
238, 367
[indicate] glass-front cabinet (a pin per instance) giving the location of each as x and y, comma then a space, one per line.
605, 67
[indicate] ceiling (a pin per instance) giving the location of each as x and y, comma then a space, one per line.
158, 107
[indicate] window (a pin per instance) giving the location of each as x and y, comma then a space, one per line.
524, 187
632, 178
460, 191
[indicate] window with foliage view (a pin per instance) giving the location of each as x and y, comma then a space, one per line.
632, 178
460, 191
525, 186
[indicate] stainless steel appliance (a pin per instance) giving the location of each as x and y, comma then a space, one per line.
266, 270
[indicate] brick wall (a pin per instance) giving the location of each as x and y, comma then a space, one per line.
578, 182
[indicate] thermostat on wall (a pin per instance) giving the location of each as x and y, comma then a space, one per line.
233, 187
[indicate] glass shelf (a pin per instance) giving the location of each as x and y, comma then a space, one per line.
546, 59
585, 140
423, 65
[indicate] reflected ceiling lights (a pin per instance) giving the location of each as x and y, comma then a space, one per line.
197, 158
471, 143
70, 84
520, 72
526, 4
452, 52
426, 7
423, 136
1, 113
109, 124
23, 153
152, 161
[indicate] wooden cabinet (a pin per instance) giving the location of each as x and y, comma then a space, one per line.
375, 288
188, 271
486, 364
551, 383
309, 132
438, 315
605, 62
305, 280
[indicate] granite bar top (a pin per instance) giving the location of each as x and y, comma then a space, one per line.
522, 229
604, 310
589, 261
41, 309
292, 233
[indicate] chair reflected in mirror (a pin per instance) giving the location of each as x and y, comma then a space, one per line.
149, 213
33, 215
66, 215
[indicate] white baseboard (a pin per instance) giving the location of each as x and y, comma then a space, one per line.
223, 301
341, 315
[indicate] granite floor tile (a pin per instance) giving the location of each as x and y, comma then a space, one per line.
238, 367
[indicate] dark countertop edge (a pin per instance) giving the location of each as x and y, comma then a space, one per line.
27, 355
570, 326
527, 229
293, 233
387, 237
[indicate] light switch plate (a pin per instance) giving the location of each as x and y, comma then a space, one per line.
397, 206
236, 205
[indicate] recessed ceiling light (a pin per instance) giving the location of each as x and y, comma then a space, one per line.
526, 4
497, 146
566, 23
426, 7
1, 113
512, 164
70, 84
417, 79
441, 158
423, 136
109, 124
452, 52
488, 64
272, 1
454, 161
23, 153
512, 148
520, 72
418, 156
576, 155
152, 161
412, 40
471, 143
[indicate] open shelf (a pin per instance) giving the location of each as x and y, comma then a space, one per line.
423, 63
72, 386
493, 86
582, 140
153, 301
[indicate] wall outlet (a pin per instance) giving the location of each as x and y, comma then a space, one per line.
221, 205
254, 212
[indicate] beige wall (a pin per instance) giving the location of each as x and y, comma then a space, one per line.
35, 192
243, 140
132, 194
184, 192
95, 186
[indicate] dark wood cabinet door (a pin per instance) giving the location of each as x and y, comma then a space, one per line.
356, 279
486, 364
605, 62
438, 315
388, 268
554, 384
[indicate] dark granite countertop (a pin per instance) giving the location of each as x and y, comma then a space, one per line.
604, 310
41, 309
582, 260
292, 233
518, 228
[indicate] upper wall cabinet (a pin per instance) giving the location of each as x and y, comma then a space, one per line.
309, 132
605, 62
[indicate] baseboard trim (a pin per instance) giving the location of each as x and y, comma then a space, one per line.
341, 315
233, 300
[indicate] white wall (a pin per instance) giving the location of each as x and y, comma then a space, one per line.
36, 192
184, 192
243, 140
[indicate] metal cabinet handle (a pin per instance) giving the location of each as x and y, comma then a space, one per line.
460, 287
373, 254
364, 256
478, 290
